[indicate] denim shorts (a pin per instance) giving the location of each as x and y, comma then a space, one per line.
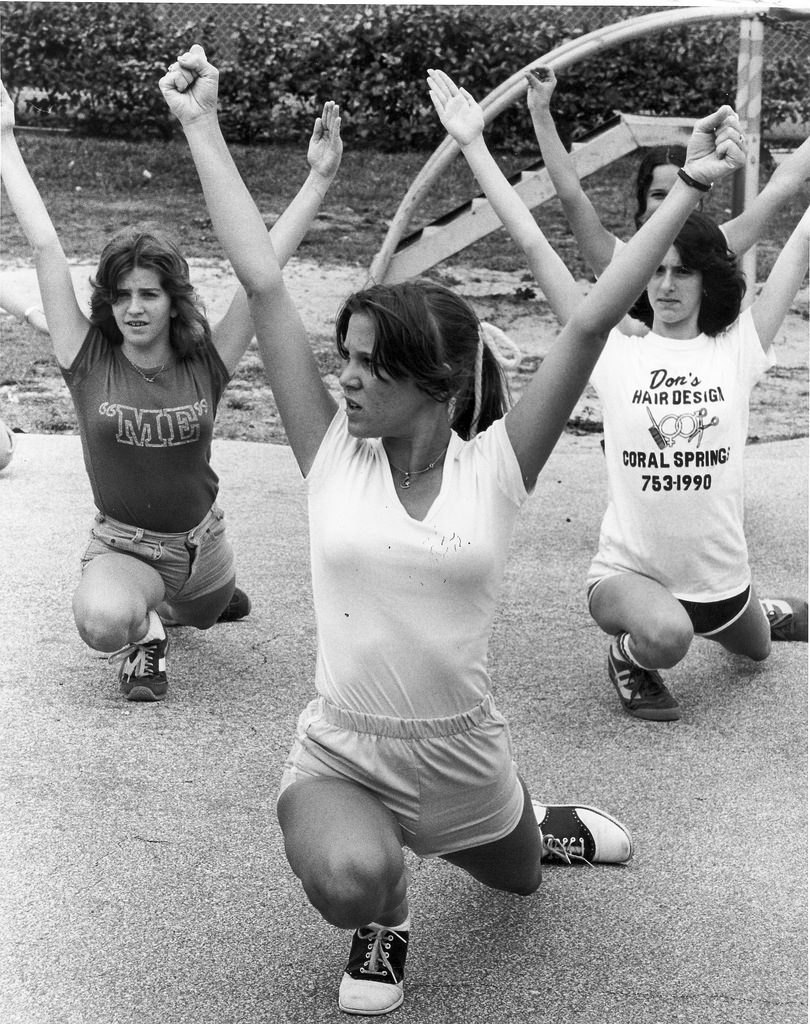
191, 564
450, 782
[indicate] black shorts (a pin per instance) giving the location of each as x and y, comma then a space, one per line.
709, 617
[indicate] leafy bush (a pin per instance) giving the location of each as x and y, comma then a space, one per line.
98, 64
94, 67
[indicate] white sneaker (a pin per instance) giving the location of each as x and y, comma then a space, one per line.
372, 983
574, 832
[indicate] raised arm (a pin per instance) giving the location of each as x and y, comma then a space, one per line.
773, 302
745, 230
234, 332
595, 242
304, 404
61, 308
535, 423
464, 121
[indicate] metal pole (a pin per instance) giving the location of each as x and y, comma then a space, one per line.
749, 108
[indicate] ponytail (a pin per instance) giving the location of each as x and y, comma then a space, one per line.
486, 397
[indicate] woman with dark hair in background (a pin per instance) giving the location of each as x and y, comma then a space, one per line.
656, 174
672, 559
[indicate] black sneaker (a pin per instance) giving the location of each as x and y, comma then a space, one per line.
143, 670
372, 983
575, 832
642, 691
787, 617
237, 608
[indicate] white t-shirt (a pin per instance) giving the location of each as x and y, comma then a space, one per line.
404, 608
676, 421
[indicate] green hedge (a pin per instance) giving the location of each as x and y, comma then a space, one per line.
98, 65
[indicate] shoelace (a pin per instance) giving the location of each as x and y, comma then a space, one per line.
378, 953
642, 682
556, 848
136, 660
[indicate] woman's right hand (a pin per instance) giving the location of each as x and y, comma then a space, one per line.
461, 116
190, 87
6, 111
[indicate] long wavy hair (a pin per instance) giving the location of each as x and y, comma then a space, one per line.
428, 334
702, 246
131, 248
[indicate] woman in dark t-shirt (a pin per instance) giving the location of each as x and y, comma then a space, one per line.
146, 372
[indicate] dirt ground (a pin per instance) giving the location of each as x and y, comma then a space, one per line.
38, 401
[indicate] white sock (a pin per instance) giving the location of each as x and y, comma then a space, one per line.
404, 927
621, 647
155, 630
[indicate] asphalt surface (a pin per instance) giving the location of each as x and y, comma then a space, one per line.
142, 876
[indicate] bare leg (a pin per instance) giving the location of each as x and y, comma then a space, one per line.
660, 630
112, 602
346, 847
511, 864
750, 634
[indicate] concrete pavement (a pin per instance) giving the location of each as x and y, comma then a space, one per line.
142, 876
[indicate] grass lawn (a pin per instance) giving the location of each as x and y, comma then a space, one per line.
94, 186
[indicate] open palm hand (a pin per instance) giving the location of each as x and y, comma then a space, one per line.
461, 116
326, 146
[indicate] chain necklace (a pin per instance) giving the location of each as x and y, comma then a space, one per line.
149, 379
407, 473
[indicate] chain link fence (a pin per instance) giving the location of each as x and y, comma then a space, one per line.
784, 35
375, 56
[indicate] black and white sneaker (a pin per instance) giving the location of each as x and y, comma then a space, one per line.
142, 674
372, 983
575, 832
642, 691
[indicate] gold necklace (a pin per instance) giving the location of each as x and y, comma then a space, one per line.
407, 473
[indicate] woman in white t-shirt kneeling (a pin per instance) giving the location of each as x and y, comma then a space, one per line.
672, 559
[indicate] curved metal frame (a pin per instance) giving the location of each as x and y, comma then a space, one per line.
605, 38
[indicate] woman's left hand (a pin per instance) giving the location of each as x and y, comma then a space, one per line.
717, 147
541, 82
326, 146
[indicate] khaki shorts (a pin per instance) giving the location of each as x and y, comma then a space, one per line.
190, 564
451, 783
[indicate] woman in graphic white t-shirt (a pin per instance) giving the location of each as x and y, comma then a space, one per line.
672, 559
